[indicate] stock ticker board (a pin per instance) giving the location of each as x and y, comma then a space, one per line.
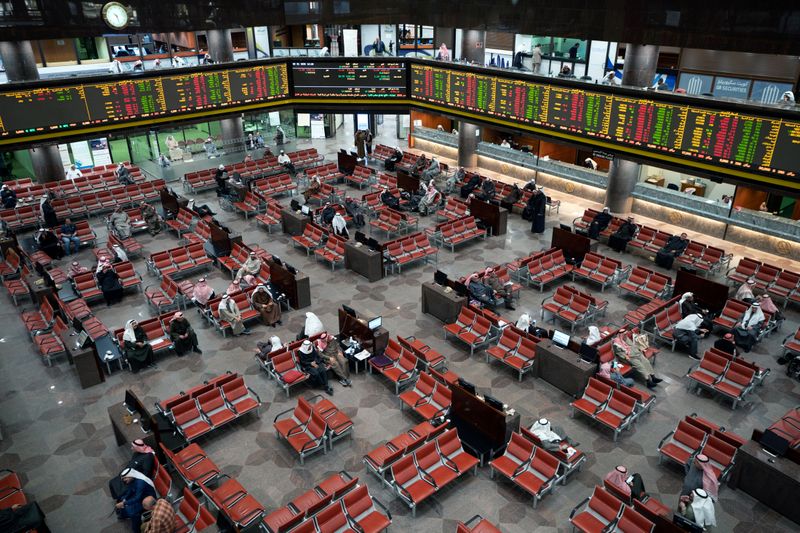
350, 79
26, 112
728, 138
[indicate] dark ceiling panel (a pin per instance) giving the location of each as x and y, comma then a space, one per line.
765, 27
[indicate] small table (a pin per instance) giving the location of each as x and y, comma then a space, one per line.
87, 365
443, 305
126, 433
775, 484
562, 368
293, 223
363, 260
105, 344
40, 290
363, 355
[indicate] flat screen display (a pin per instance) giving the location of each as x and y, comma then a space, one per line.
751, 143
375, 323
349, 79
33, 111
560, 338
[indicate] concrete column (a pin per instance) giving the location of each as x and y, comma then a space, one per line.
622, 178
232, 129
473, 45
468, 138
220, 45
19, 60
640, 64
47, 165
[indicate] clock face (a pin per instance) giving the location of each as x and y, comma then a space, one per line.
115, 15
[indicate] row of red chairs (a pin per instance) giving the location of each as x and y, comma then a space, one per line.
528, 466
782, 284
11, 489
600, 269
242, 300
788, 427
85, 204
95, 178
86, 284
502, 274
546, 268
398, 364
183, 221
332, 252
165, 296
429, 397
361, 176
157, 331
572, 306
458, 231
453, 209
384, 181
179, 262
644, 283
337, 502
372, 203
283, 365
694, 436
272, 216
202, 180
313, 237
611, 407
312, 426
382, 152
328, 172
210, 405
515, 349
431, 468
410, 249
380, 460
473, 328
720, 373
241, 253
275, 185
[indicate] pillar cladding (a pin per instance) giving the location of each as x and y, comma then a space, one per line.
47, 165
220, 45
473, 45
468, 138
19, 60
232, 131
622, 178
641, 61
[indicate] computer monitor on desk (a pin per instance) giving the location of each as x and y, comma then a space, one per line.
493, 402
467, 386
560, 339
375, 323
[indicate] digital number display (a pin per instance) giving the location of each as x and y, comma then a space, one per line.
727, 138
33, 111
354, 79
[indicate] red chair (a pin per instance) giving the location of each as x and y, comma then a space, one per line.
599, 514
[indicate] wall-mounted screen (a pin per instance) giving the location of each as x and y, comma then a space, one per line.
25, 112
349, 79
727, 138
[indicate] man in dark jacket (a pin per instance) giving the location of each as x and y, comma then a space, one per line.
8, 197
129, 505
313, 365
619, 239
674, 247
600, 222
109, 283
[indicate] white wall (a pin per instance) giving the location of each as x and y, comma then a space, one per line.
714, 191
597, 58
368, 33
508, 55
459, 37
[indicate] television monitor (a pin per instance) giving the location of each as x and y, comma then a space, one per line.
350, 311
294, 205
565, 227
375, 323
277, 260
292, 270
560, 339
132, 403
466, 385
493, 402
440, 278
774, 443
588, 353
360, 237
305, 210
83, 339
373, 244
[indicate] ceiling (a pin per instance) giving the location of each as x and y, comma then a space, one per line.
764, 27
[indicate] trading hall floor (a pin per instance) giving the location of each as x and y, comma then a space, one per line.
58, 437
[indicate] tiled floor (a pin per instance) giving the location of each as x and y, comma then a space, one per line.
60, 440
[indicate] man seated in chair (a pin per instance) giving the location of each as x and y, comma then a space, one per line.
482, 292
674, 247
313, 365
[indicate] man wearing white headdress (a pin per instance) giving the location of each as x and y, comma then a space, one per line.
129, 504
229, 312
523, 322
251, 266
553, 437
703, 508
340, 226
746, 331
313, 325
138, 351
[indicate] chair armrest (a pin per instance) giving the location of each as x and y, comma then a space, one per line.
282, 413
660, 444
575, 509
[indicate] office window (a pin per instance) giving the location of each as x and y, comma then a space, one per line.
569, 49
87, 48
